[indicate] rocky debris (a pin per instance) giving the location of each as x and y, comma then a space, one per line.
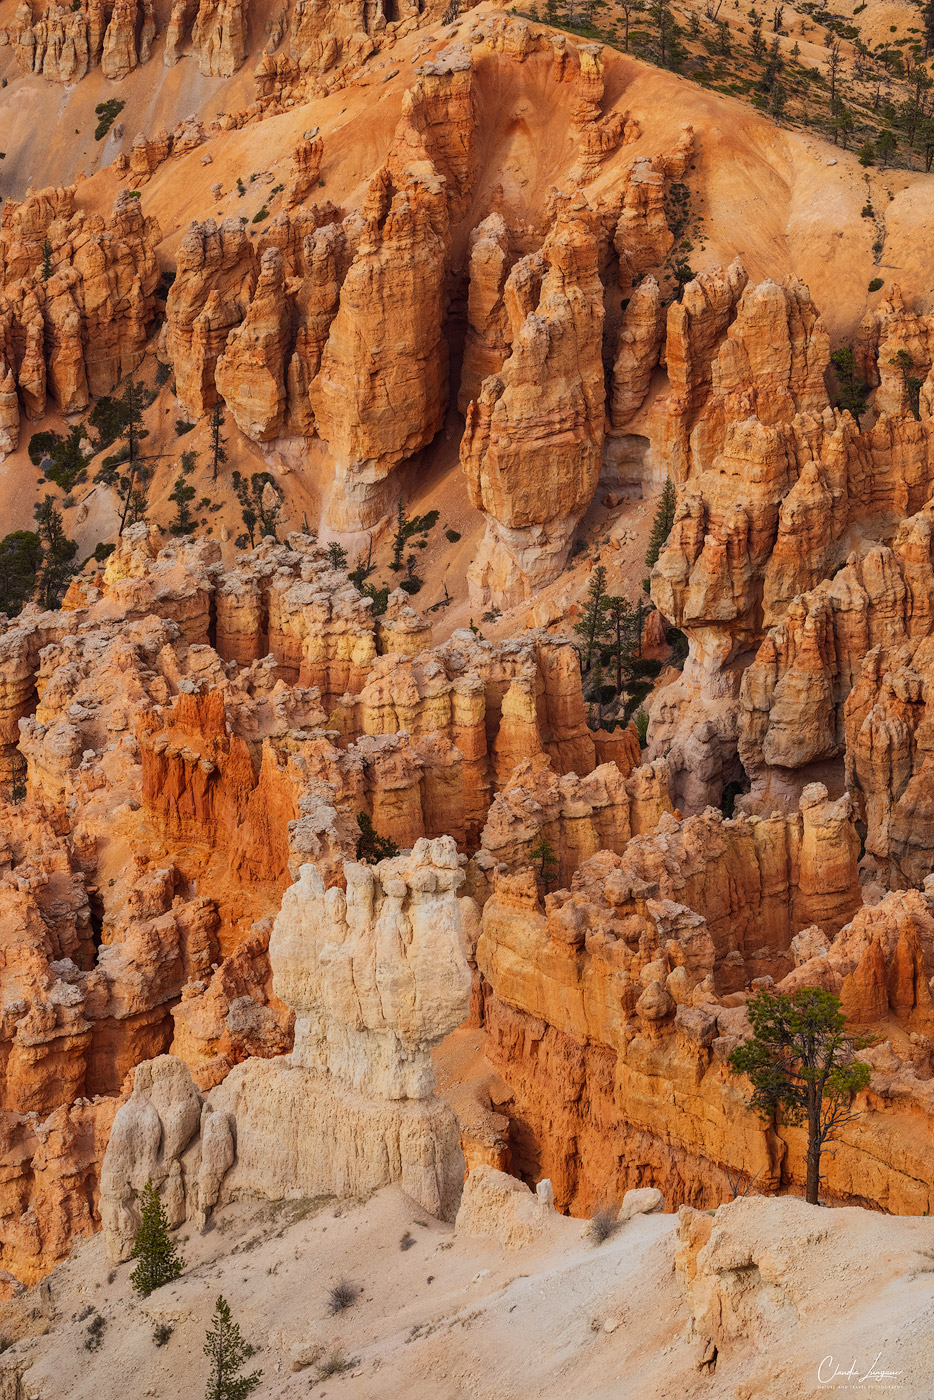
644, 1200
78, 332
497, 1206
352, 1108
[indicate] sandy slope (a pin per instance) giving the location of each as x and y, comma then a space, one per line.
454, 1318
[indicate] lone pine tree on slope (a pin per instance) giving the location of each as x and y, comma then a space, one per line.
226, 1351
158, 1258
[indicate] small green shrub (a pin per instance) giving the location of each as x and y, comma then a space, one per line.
162, 1333
95, 1333
260, 215
875, 284
452, 536
182, 426
107, 113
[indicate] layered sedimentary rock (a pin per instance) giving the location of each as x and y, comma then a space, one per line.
887, 723
214, 284
84, 999
794, 693
780, 492
607, 1017
638, 346
250, 374
63, 45
533, 438
438, 124
489, 332
376, 975
576, 816
377, 401
78, 331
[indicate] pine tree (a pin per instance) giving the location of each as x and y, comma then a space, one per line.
852, 394
371, 847
619, 612
46, 261
218, 449
226, 1351
182, 494
543, 854
128, 411
661, 525
336, 555
593, 624
58, 553
802, 1066
159, 1259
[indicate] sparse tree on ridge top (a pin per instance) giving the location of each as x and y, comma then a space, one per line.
158, 1258
802, 1066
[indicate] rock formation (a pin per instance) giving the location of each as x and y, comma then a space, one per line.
376, 975
78, 332
396, 279
533, 438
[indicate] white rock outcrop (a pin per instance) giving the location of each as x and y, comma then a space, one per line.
376, 975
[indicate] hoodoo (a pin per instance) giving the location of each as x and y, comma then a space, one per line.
466, 700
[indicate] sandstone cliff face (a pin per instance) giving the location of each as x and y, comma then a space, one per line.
250, 374
888, 758
63, 45
214, 284
216, 730
794, 693
376, 974
612, 1086
396, 279
532, 442
78, 332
